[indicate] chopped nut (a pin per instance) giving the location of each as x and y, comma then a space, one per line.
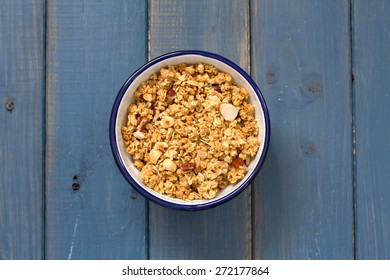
154, 155
169, 165
148, 97
160, 146
141, 123
172, 154
202, 154
228, 111
167, 121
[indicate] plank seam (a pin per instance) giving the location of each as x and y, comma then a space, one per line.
353, 125
148, 24
252, 194
44, 124
147, 203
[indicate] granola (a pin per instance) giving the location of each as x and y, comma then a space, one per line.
191, 131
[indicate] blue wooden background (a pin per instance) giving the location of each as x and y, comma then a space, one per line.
324, 70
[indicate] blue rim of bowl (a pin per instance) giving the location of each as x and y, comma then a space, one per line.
121, 165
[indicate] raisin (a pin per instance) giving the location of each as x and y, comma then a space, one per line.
171, 94
238, 162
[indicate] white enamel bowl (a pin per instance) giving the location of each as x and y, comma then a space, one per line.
119, 117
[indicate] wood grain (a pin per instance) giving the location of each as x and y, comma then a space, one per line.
303, 197
93, 46
223, 232
21, 124
323, 192
371, 67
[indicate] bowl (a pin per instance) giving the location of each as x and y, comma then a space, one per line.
125, 97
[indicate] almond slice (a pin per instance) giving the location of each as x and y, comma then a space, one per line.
139, 135
228, 111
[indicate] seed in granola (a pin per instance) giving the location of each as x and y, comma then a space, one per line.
169, 165
238, 163
188, 166
228, 111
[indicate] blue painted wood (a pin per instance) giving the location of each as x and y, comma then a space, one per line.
371, 67
302, 205
303, 197
92, 47
21, 124
223, 232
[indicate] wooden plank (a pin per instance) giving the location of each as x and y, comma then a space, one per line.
223, 232
22, 40
303, 197
371, 67
93, 46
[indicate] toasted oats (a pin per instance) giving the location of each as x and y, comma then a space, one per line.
191, 131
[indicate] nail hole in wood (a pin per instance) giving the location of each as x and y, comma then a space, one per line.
75, 186
9, 106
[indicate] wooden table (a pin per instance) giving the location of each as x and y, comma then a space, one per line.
324, 70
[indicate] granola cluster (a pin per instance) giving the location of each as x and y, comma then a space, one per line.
191, 131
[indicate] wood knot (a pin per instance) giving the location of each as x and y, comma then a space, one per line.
311, 86
133, 195
309, 148
271, 74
